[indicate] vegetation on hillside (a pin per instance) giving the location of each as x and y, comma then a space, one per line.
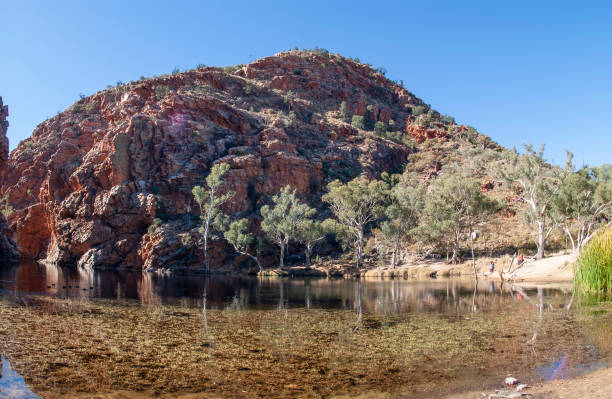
446, 213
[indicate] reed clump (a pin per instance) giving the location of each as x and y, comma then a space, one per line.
594, 266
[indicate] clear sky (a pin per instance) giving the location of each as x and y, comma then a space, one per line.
533, 71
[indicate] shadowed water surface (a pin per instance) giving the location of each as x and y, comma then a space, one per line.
249, 337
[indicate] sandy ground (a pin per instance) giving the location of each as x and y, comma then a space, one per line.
596, 385
555, 268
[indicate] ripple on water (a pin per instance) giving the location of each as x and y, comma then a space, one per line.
12, 385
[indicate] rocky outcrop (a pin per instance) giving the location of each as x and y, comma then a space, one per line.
108, 181
8, 249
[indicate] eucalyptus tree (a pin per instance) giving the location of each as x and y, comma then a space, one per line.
282, 219
355, 205
536, 183
310, 232
407, 201
455, 206
210, 200
583, 203
237, 234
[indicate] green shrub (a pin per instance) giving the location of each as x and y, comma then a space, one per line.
594, 266
229, 69
379, 128
344, 112
418, 110
249, 88
161, 91
358, 121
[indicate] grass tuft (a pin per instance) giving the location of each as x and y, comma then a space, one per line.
594, 267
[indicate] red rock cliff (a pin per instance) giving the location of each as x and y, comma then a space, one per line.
89, 183
8, 249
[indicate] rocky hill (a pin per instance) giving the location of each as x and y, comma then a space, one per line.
108, 181
8, 249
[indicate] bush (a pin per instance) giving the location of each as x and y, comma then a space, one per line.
161, 91
418, 110
380, 129
594, 265
344, 112
358, 121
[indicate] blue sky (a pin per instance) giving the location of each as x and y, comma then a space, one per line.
533, 71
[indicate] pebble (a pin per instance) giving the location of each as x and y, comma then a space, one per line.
510, 381
521, 387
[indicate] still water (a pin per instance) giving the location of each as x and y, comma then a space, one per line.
300, 337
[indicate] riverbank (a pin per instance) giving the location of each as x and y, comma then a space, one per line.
555, 268
594, 385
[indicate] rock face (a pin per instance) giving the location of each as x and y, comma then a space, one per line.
8, 249
108, 181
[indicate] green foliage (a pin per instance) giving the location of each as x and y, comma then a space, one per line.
344, 112
309, 232
418, 110
583, 202
536, 183
282, 220
594, 266
249, 88
210, 202
358, 121
161, 91
229, 69
5, 207
237, 234
380, 128
176, 71
454, 207
357, 204
403, 213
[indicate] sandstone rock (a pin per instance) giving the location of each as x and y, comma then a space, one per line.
8, 249
89, 183
510, 381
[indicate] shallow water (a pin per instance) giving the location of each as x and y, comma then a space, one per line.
249, 337
12, 385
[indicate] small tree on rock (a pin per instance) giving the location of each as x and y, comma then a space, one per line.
210, 202
356, 204
281, 220
237, 234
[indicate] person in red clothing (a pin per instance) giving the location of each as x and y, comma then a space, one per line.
520, 259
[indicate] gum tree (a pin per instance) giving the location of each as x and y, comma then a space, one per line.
210, 200
583, 203
282, 219
237, 234
407, 203
536, 183
355, 205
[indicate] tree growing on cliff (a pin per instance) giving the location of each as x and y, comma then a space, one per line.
210, 202
282, 220
407, 203
583, 203
344, 112
355, 205
237, 234
536, 183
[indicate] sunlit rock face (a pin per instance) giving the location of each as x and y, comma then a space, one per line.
8, 249
89, 183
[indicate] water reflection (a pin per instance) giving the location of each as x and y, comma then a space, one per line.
12, 385
451, 296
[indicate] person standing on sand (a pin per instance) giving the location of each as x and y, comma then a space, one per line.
520, 259
491, 267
